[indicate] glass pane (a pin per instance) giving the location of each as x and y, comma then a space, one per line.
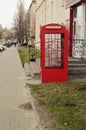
53, 50
78, 11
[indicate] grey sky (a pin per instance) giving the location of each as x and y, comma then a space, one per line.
7, 10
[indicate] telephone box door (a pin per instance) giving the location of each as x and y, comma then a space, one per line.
54, 53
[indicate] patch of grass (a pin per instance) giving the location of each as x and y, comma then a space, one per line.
35, 88
25, 54
34, 53
66, 102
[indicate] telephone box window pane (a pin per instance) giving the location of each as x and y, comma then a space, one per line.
54, 44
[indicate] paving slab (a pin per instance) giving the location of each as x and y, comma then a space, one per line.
16, 109
33, 81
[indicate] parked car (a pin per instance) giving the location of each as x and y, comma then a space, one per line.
8, 43
1, 48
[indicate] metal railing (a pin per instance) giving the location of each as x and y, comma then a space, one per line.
79, 48
34, 51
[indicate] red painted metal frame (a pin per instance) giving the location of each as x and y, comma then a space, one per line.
54, 74
71, 32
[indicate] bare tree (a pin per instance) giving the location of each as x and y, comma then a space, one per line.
19, 24
0, 33
5, 33
26, 27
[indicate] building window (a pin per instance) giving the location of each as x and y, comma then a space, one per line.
75, 12
63, 2
85, 23
52, 10
78, 11
85, 13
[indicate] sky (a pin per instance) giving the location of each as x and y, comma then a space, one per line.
7, 11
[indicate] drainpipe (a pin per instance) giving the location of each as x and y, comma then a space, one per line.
71, 32
45, 11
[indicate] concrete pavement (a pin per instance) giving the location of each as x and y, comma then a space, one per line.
17, 111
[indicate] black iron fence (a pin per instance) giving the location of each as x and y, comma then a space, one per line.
79, 48
34, 51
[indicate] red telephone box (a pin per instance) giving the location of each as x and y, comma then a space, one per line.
54, 53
